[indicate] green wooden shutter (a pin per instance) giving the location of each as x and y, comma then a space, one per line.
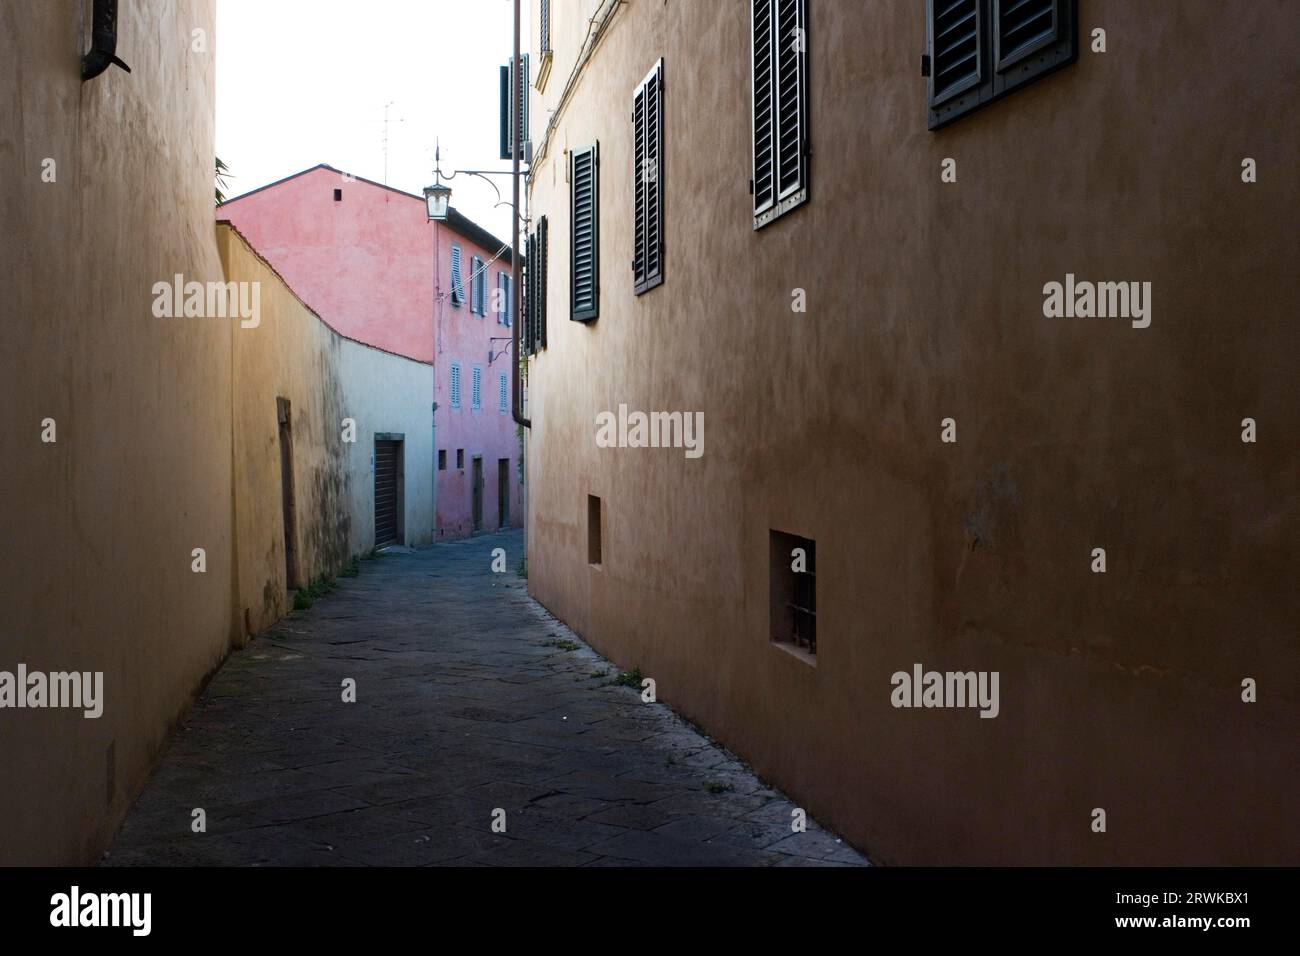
584, 210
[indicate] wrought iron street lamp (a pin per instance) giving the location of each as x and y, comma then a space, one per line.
438, 198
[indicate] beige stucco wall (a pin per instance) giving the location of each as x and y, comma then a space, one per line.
97, 528
291, 353
166, 427
1119, 691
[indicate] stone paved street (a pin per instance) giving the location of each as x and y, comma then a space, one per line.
470, 697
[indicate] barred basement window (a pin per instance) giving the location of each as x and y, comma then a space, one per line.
460, 458
980, 50
647, 181
779, 66
593, 530
457, 290
442, 459
793, 563
584, 252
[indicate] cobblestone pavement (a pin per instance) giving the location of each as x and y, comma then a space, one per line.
470, 698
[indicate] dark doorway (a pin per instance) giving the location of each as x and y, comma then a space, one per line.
477, 490
503, 492
282, 415
388, 490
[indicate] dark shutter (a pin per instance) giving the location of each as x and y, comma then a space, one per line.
1031, 39
764, 84
529, 332
514, 117
779, 61
647, 178
981, 50
505, 112
584, 216
457, 288
957, 41
521, 126
546, 26
543, 241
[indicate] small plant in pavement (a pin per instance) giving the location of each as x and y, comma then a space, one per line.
630, 678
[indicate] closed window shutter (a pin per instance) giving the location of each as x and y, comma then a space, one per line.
455, 386
457, 290
958, 61
523, 106
647, 193
514, 115
779, 44
505, 112
505, 402
546, 26
790, 61
530, 251
1024, 26
585, 218
476, 393
764, 84
543, 233
980, 50
510, 298
475, 289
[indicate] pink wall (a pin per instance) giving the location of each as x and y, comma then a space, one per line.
366, 265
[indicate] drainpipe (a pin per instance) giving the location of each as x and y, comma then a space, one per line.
103, 41
517, 91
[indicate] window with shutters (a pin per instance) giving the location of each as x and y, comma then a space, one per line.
504, 313
455, 385
544, 45
584, 217
539, 300
779, 60
477, 286
535, 289
476, 389
457, 290
505, 394
514, 110
647, 181
980, 50
530, 308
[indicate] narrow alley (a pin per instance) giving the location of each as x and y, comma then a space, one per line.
469, 700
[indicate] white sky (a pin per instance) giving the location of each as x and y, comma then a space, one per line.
302, 82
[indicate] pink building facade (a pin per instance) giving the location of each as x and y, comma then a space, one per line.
366, 259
